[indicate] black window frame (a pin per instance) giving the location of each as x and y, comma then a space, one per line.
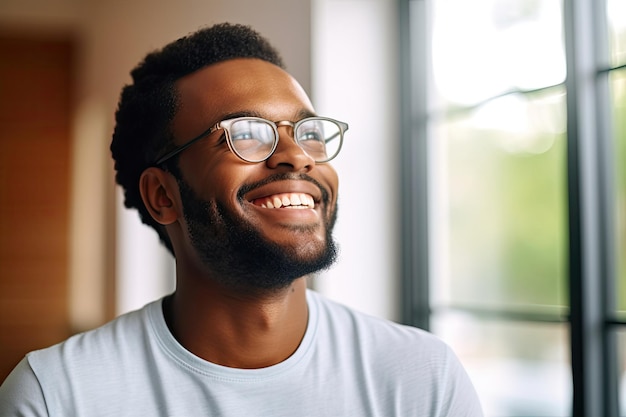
592, 277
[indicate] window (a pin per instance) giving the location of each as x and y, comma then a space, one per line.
514, 147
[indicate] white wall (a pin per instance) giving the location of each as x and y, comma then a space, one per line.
354, 80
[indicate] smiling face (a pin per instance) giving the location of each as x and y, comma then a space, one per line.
252, 225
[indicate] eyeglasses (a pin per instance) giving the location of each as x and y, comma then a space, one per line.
254, 139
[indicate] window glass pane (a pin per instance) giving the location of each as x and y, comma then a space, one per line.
498, 204
482, 48
616, 14
518, 368
618, 89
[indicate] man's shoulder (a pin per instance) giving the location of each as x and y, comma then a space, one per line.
115, 339
91, 367
375, 331
398, 355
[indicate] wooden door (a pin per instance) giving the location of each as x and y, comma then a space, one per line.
36, 78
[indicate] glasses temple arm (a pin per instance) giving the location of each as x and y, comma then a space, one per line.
181, 148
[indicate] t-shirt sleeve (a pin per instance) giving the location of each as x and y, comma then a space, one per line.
21, 394
460, 397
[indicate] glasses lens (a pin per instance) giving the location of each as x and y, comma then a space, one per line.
252, 139
320, 138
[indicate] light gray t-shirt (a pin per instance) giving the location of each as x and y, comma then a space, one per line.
348, 364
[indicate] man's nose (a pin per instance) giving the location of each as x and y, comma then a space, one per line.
288, 152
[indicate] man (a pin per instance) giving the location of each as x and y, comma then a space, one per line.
223, 155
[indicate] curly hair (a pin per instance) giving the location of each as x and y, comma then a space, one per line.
148, 105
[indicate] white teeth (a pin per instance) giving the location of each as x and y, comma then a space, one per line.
293, 200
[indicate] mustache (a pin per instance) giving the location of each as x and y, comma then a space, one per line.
285, 176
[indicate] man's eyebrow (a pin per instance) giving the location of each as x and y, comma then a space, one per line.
299, 115
243, 113
304, 113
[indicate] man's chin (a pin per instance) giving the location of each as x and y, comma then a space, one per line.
304, 246
277, 272
250, 263
239, 255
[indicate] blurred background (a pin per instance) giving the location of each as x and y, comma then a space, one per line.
482, 182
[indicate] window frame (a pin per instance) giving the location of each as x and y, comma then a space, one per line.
591, 275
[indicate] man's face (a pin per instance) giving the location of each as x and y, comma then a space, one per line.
233, 231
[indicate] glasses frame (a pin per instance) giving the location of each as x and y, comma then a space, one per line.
226, 124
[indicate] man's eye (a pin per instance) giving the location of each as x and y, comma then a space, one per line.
243, 136
311, 136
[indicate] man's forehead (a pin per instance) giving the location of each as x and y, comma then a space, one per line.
243, 84
235, 71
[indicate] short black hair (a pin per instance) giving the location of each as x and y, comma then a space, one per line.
148, 105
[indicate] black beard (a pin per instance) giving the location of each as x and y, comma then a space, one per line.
238, 255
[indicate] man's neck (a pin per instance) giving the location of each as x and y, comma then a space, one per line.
239, 331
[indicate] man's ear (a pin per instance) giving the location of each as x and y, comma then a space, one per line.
158, 191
